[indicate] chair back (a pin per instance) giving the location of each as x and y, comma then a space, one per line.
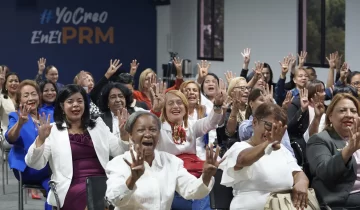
220, 196
96, 190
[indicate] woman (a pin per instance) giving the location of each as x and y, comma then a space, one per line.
21, 134
75, 147
49, 92
256, 98
51, 73
334, 156
238, 90
209, 86
149, 178
86, 80
8, 98
147, 78
252, 173
114, 98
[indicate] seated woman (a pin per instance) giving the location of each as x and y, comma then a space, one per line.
49, 92
252, 174
76, 147
334, 155
115, 97
22, 133
51, 73
149, 178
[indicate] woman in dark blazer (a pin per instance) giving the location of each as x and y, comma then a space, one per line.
334, 155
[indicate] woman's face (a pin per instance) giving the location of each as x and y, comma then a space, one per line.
260, 84
49, 93
242, 88
147, 82
266, 73
29, 97
255, 104
52, 75
116, 100
210, 86
355, 82
301, 78
145, 133
343, 116
262, 127
192, 93
320, 90
175, 108
89, 82
12, 84
74, 107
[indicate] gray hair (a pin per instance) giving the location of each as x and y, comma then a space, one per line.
134, 116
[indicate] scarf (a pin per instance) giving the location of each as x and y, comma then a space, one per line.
178, 133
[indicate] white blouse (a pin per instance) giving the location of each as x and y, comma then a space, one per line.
156, 187
253, 184
193, 131
6, 106
322, 123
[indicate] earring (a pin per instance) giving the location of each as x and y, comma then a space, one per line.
198, 101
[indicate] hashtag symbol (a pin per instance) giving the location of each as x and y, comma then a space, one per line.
46, 16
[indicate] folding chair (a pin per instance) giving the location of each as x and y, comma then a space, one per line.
4, 165
96, 189
220, 196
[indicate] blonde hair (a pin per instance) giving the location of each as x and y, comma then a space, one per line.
233, 82
77, 77
143, 77
339, 97
179, 94
200, 109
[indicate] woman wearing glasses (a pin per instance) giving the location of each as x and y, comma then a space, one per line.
251, 171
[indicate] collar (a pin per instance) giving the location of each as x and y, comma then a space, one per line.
166, 126
295, 92
157, 159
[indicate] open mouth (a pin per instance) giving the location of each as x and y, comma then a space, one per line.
211, 89
32, 104
75, 112
176, 112
348, 123
147, 143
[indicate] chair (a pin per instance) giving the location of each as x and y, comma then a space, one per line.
96, 189
220, 196
5, 169
23, 187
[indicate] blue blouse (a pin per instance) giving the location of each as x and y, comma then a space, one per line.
46, 109
28, 134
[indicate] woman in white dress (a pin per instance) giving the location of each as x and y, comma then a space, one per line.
261, 165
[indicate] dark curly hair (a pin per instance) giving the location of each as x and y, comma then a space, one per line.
104, 98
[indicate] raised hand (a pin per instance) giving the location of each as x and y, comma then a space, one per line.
246, 55
332, 60
268, 93
304, 100
137, 166
236, 101
354, 136
258, 70
23, 113
319, 106
229, 75
203, 70
288, 99
134, 65
44, 128
285, 65
158, 96
81, 78
123, 116
302, 58
338, 60
2, 76
221, 95
211, 163
178, 65
41, 65
113, 67
275, 135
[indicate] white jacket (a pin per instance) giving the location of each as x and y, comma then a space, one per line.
57, 151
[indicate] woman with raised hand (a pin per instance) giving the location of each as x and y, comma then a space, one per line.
76, 147
51, 73
22, 132
49, 92
146, 178
261, 165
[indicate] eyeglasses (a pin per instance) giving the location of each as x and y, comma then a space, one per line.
267, 124
243, 88
356, 84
